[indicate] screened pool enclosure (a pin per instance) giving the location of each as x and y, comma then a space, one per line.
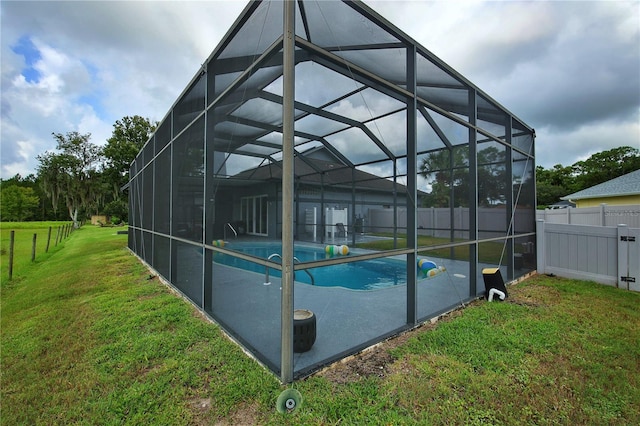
322, 162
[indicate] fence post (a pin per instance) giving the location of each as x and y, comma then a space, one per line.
434, 221
33, 248
541, 254
46, 250
603, 220
57, 235
623, 257
12, 240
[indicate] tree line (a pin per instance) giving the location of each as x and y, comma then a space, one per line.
559, 181
447, 174
79, 178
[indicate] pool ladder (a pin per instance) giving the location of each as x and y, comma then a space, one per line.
224, 231
295, 259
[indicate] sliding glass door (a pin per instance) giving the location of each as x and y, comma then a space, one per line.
255, 214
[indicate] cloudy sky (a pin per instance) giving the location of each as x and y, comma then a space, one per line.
571, 70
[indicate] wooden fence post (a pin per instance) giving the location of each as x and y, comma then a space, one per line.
11, 246
57, 235
46, 250
33, 247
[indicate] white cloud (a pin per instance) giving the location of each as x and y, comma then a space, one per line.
577, 144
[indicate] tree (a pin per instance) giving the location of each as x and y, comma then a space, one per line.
560, 180
554, 183
447, 171
42, 211
52, 177
606, 165
17, 203
492, 176
129, 136
72, 173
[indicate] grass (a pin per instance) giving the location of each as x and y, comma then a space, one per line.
23, 244
489, 252
88, 338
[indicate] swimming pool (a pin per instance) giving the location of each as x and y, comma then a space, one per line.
364, 275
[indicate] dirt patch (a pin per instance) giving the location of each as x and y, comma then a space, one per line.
532, 295
200, 407
377, 361
246, 414
374, 362
523, 300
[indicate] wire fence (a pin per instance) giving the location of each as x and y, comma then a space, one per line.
61, 232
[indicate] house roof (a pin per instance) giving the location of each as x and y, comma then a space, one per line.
311, 170
628, 184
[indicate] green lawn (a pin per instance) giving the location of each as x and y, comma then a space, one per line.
89, 337
23, 244
489, 252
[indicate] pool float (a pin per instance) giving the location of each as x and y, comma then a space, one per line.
429, 268
333, 250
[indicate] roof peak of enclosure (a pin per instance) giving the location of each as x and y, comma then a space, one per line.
355, 76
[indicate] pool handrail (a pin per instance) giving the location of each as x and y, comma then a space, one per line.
224, 232
295, 259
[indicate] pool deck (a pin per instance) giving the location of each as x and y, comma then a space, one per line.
346, 320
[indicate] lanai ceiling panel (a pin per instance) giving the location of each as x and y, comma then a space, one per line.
365, 105
357, 146
337, 26
392, 131
454, 132
317, 85
257, 33
428, 138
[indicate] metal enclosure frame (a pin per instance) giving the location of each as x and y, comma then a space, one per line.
325, 107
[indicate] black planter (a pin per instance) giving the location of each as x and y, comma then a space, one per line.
304, 330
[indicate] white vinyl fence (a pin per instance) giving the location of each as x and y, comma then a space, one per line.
605, 254
438, 222
603, 215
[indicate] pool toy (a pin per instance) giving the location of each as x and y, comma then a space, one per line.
429, 268
333, 250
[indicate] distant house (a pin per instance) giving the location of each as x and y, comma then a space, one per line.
564, 204
99, 219
623, 190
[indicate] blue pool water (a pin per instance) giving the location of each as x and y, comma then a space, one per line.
365, 275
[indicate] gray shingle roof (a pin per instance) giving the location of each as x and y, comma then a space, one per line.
628, 184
